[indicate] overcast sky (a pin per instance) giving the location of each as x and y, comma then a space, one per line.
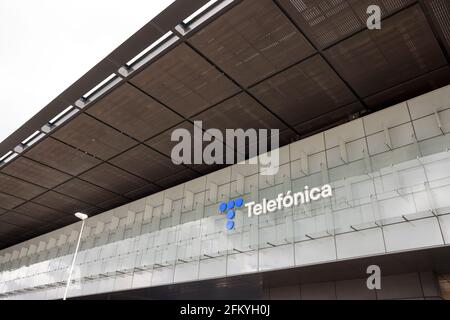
46, 45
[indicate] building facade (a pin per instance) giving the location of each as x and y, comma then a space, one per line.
390, 177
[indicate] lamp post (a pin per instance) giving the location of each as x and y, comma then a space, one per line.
82, 217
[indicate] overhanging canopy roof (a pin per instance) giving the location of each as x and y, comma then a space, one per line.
297, 65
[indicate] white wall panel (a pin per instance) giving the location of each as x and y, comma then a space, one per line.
361, 243
212, 268
387, 118
276, 257
414, 234
242, 263
186, 271
315, 251
430, 102
445, 225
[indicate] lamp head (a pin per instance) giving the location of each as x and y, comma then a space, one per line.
81, 216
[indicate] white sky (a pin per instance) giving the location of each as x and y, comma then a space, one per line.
46, 45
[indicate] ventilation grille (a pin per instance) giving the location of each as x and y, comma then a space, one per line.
441, 12
328, 21
299, 5
394, 5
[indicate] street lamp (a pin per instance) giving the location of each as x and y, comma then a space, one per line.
82, 217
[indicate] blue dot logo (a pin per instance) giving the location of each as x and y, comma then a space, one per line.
229, 208
223, 207
231, 214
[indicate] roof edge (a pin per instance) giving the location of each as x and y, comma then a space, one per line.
148, 34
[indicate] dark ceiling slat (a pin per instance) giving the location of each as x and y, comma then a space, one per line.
185, 82
320, 23
319, 50
134, 113
299, 48
436, 11
404, 48
34, 172
419, 85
